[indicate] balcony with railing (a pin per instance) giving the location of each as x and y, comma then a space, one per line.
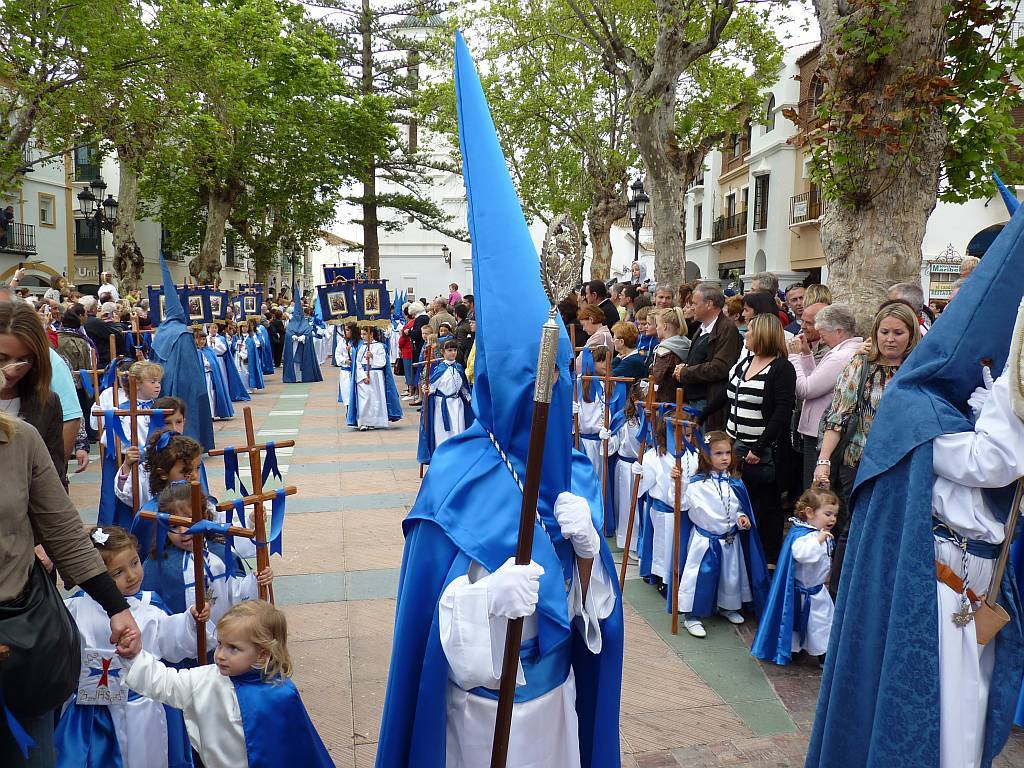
728, 227
806, 208
18, 238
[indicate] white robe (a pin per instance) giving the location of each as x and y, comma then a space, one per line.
448, 383
705, 507
964, 463
545, 730
227, 591
297, 355
208, 372
591, 423
140, 725
343, 359
208, 701
658, 483
627, 447
371, 399
220, 347
811, 566
321, 344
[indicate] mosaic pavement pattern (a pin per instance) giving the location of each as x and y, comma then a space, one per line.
685, 702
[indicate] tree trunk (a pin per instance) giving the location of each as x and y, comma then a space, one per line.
205, 268
14, 145
669, 172
371, 246
606, 207
872, 238
128, 259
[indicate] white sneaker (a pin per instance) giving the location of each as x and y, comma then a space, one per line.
733, 617
633, 558
695, 628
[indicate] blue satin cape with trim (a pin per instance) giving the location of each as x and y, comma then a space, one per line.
774, 639
427, 439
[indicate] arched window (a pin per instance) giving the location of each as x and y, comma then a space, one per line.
769, 114
817, 90
748, 134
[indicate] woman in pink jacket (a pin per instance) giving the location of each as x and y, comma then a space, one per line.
816, 379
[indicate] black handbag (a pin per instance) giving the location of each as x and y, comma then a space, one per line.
42, 667
761, 473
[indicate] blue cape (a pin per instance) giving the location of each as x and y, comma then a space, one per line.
705, 599
254, 357
309, 367
878, 703
222, 407
277, 728
391, 397
266, 353
175, 349
774, 639
428, 440
467, 508
236, 387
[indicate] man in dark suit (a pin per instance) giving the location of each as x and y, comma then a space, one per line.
464, 335
597, 295
714, 351
100, 329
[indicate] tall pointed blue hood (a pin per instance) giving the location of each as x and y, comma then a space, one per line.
175, 349
1009, 199
298, 324
467, 509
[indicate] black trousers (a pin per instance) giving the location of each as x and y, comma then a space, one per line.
842, 484
767, 504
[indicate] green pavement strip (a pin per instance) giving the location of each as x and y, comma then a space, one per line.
722, 660
336, 586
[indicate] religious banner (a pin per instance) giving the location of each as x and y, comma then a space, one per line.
256, 288
248, 305
373, 304
337, 302
344, 271
218, 304
196, 302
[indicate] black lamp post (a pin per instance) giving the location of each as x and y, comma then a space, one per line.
446, 254
637, 212
100, 215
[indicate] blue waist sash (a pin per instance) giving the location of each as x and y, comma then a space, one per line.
803, 600
982, 549
446, 419
705, 593
346, 367
543, 673
593, 437
627, 459
657, 505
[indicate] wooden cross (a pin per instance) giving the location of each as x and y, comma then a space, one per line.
94, 376
427, 360
133, 412
259, 520
199, 556
677, 423
648, 407
137, 335
608, 380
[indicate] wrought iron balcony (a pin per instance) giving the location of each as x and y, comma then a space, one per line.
806, 207
728, 227
19, 238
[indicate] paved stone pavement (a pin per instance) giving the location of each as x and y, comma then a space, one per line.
685, 702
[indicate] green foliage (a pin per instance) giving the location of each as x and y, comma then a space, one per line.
867, 130
265, 119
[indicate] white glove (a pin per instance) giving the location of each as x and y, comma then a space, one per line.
637, 469
573, 515
575, 408
606, 434
513, 590
981, 395
644, 386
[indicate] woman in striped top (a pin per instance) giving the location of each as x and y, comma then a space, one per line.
759, 396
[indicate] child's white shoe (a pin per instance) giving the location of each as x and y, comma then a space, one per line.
733, 617
695, 628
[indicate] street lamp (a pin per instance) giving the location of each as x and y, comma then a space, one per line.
100, 215
446, 254
637, 212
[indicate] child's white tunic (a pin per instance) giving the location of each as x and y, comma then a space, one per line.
712, 505
591, 423
657, 482
208, 372
626, 447
208, 701
811, 566
140, 725
227, 591
343, 359
448, 383
220, 347
545, 730
964, 463
370, 397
